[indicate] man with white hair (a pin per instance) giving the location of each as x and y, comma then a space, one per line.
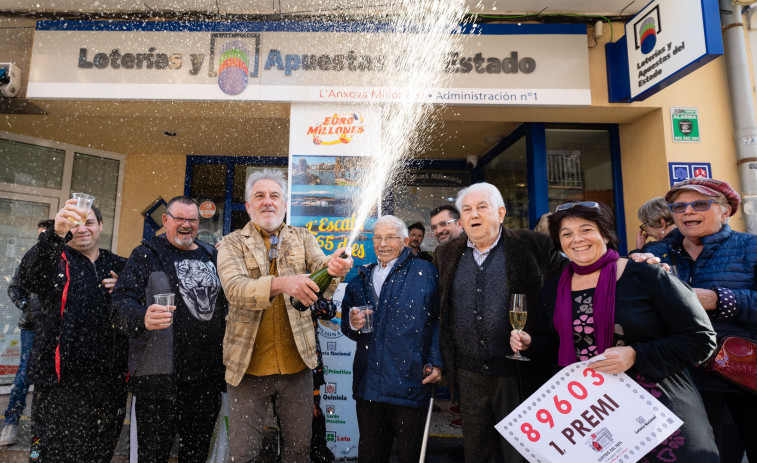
269, 346
396, 363
478, 272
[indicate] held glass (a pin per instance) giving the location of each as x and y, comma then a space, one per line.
166, 299
518, 315
83, 202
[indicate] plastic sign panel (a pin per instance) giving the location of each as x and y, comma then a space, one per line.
338, 406
329, 146
664, 42
587, 416
680, 171
488, 64
685, 122
329, 150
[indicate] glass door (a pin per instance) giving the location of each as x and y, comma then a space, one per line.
18, 232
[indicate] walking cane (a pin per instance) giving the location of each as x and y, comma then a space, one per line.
427, 370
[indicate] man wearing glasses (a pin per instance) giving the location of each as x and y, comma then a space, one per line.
445, 223
175, 352
390, 386
269, 347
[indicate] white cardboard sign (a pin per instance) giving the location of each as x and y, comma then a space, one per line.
587, 416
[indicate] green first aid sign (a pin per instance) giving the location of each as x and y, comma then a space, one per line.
685, 124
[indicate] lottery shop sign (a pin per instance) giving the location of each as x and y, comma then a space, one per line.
584, 415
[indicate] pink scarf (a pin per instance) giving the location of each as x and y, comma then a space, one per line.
604, 306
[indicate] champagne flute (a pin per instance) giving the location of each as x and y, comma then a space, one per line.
518, 316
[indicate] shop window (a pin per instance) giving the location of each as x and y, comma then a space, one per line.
239, 219
426, 189
49, 172
31, 165
222, 208
208, 190
509, 172
209, 181
579, 166
241, 172
98, 177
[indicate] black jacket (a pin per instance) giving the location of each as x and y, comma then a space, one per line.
530, 259
77, 333
27, 301
189, 349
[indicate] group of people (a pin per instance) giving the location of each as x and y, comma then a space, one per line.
233, 326
720, 267
101, 331
657, 323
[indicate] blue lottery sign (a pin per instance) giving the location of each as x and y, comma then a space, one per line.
680, 171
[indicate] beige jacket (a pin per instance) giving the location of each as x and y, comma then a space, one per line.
243, 269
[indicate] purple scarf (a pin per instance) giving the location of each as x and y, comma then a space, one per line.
604, 306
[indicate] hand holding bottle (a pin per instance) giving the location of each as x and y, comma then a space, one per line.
298, 287
340, 263
303, 297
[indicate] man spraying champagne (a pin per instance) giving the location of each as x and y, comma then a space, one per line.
269, 346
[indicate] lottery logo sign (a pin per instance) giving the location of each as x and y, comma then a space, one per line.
584, 415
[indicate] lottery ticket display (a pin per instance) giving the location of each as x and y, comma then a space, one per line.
584, 415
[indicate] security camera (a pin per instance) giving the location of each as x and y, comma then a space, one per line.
10, 79
472, 161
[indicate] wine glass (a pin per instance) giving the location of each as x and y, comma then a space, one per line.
518, 320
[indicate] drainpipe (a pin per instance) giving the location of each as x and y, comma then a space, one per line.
742, 108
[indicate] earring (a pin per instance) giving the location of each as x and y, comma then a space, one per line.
662, 233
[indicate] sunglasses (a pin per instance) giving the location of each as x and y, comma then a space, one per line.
699, 205
273, 253
566, 206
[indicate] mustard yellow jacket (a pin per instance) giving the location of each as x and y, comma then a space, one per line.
243, 270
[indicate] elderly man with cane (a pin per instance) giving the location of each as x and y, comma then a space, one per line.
394, 319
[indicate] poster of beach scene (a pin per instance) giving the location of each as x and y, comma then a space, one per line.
313, 170
318, 201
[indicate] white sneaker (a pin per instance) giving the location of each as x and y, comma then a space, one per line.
9, 436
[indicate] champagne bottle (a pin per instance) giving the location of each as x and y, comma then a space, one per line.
323, 279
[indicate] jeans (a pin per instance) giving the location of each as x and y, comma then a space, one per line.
247, 404
20, 387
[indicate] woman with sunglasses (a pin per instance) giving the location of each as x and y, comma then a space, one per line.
656, 221
645, 322
721, 266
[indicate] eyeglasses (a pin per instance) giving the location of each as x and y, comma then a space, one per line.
388, 239
643, 227
183, 219
566, 206
442, 224
700, 205
273, 253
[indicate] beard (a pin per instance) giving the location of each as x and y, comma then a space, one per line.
183, 240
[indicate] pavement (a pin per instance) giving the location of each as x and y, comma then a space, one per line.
445, 442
